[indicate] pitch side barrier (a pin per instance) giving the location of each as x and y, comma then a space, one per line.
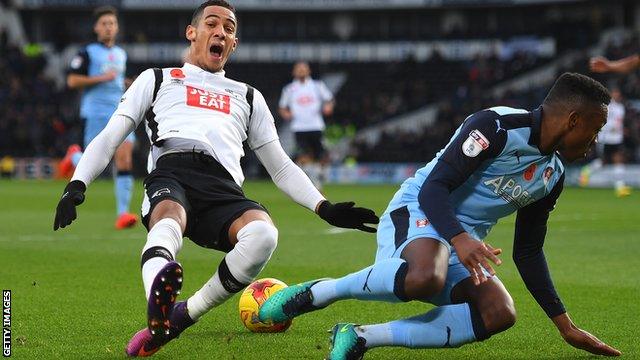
396, 173
364, 173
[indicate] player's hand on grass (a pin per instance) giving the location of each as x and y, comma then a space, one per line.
599, 64
66, 210
473, 254
345, 215
581, 339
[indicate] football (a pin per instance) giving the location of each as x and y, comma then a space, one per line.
253, 296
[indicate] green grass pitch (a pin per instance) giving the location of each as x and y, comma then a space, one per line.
78, 293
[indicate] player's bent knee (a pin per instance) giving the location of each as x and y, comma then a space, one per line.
261, 236
508, 314
499, 315
422, 284
256, 242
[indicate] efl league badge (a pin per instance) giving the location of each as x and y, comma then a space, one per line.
475, 143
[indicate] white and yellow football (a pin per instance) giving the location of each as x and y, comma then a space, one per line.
253, 296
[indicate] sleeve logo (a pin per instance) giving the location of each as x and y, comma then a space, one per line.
475, 143
76, 62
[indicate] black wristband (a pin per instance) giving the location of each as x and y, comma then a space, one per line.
75, 185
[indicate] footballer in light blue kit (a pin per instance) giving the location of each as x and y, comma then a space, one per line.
430, 239
99, 71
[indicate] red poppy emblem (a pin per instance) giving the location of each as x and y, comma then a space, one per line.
177, 73
531, 170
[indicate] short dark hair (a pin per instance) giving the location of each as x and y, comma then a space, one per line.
577, 90
104, 10
198, 12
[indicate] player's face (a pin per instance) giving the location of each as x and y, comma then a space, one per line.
213, 39
301, 70
106, 28
579, 139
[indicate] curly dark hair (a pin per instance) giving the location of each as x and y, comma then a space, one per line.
577, 90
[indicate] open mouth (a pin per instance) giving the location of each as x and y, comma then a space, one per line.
216, 51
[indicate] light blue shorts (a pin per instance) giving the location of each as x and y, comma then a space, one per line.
404, 222
94, 124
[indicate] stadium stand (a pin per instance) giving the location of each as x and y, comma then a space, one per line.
374, 91
34, 115
468, 98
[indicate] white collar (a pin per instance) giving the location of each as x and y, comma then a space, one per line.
197, 69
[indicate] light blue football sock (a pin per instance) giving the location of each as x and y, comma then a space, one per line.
75, 158
442, 327
383, 281
123, 188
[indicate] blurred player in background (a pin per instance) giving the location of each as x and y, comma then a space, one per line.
99, 71
612, 135
430, 247
611, 146
304, 102
197, 120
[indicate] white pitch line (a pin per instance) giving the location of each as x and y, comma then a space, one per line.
43, 237
336, 231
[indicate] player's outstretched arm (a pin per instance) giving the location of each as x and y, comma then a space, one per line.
263, 139
600, 64
97, 155
78, 76
528, 255
95, 158
581, 339
294, 182
77, 81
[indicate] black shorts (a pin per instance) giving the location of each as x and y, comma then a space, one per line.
310, 143
207, 192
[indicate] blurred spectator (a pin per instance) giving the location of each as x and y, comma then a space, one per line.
472, 96
30, 105
7, 167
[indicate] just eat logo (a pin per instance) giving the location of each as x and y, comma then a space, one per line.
208, 100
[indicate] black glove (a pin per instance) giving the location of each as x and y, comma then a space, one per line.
66, 211
344, 215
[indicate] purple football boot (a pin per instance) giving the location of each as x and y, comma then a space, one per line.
165, 318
